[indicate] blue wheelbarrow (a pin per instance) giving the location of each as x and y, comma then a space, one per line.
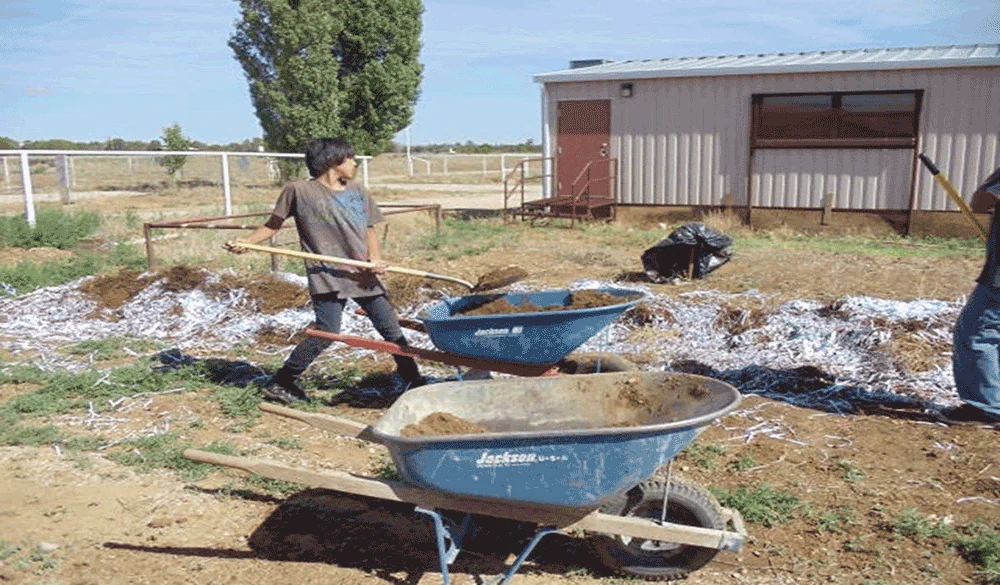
522, 344
569, 454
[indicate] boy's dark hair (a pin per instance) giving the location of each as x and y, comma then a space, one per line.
322, 154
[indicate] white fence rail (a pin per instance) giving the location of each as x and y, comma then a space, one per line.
447, 164
67, 175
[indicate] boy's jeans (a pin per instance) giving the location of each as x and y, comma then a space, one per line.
976, 358
329, 310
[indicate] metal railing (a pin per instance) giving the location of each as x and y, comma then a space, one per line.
66, 158
523, 166
576, 190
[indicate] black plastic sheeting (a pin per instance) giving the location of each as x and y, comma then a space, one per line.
673, 256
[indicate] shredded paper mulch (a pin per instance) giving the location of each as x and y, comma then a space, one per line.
841, 357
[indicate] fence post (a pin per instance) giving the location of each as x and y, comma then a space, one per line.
72, 172
147, 232
364, 172
227, 193
62, 175
484, 165
6, 174
29, 197
827, 209
130, 170
503, 165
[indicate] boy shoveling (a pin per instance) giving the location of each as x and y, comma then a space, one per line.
334, 217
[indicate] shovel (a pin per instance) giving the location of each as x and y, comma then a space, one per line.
488, 281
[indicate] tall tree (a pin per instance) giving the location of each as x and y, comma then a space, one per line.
330, 68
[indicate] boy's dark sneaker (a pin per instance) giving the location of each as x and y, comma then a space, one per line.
285, 391
967, 414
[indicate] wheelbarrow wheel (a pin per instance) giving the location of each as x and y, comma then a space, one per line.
688, 504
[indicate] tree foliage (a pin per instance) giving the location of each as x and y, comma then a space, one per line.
174, 139
330, 68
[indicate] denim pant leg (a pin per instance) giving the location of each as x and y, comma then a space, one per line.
976, 357
329, 310
386, 322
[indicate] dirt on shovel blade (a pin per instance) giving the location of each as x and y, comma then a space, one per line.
584, 299
500, 277
442, 423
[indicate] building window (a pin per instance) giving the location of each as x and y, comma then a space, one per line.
885, 119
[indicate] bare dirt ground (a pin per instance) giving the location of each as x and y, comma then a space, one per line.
868, 488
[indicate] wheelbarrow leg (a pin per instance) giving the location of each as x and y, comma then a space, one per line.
449, 539
539, 535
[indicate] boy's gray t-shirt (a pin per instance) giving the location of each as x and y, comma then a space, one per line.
331, 223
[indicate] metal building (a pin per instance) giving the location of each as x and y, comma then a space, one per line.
690, 131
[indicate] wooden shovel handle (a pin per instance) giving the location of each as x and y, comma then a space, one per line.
350, 262
339, 426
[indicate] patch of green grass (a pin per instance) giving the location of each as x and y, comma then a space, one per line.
911, 524
743, 463
459, 238
8, 550
85, 443
981, 547
850, 472
112, 347
239, 403
53, 229
63, 391
704, 455
255, 483
286, 443
835, 521
17, 434
166, 452
384, 468
897, 247
760, 505
27, 276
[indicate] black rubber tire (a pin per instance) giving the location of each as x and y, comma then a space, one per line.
586, 363
688, 504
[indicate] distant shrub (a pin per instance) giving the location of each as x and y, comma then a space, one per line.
53, 229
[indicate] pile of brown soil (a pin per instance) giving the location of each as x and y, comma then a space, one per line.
272, 295
655, 400
181, 278
442, 423
584, 299
111, 291
737, 319
501, 277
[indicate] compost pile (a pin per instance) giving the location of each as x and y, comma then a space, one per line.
582, 299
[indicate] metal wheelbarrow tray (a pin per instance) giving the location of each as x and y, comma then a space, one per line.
566, 453
524, 344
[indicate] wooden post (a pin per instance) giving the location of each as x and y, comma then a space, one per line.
227, 193
827, 209
364, 172
29, 196
150, 258
438, 214
503, 166
62, 175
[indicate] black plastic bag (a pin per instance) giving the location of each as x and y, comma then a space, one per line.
691, 243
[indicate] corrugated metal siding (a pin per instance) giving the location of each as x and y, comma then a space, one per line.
685, 141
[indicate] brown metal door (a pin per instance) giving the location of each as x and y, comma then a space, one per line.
583, 135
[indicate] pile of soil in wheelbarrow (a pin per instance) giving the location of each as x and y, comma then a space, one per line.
646, 398
442, 423
584, 299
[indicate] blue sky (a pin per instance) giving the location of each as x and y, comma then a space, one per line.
117, 68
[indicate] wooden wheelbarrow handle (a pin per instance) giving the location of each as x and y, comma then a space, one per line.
340, 426
356, 263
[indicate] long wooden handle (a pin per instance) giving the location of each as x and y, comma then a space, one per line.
953, 194
340, 426
350, 262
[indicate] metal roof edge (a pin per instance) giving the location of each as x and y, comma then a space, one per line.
566, 75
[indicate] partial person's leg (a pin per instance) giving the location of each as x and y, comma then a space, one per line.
383, 317
329, 310
976, 356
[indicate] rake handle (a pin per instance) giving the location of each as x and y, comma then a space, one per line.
954, 195
350, 262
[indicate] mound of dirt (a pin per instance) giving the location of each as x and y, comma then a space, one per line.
181, 278
442, 423
501, 277
271, 294
584, 299
111, 291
